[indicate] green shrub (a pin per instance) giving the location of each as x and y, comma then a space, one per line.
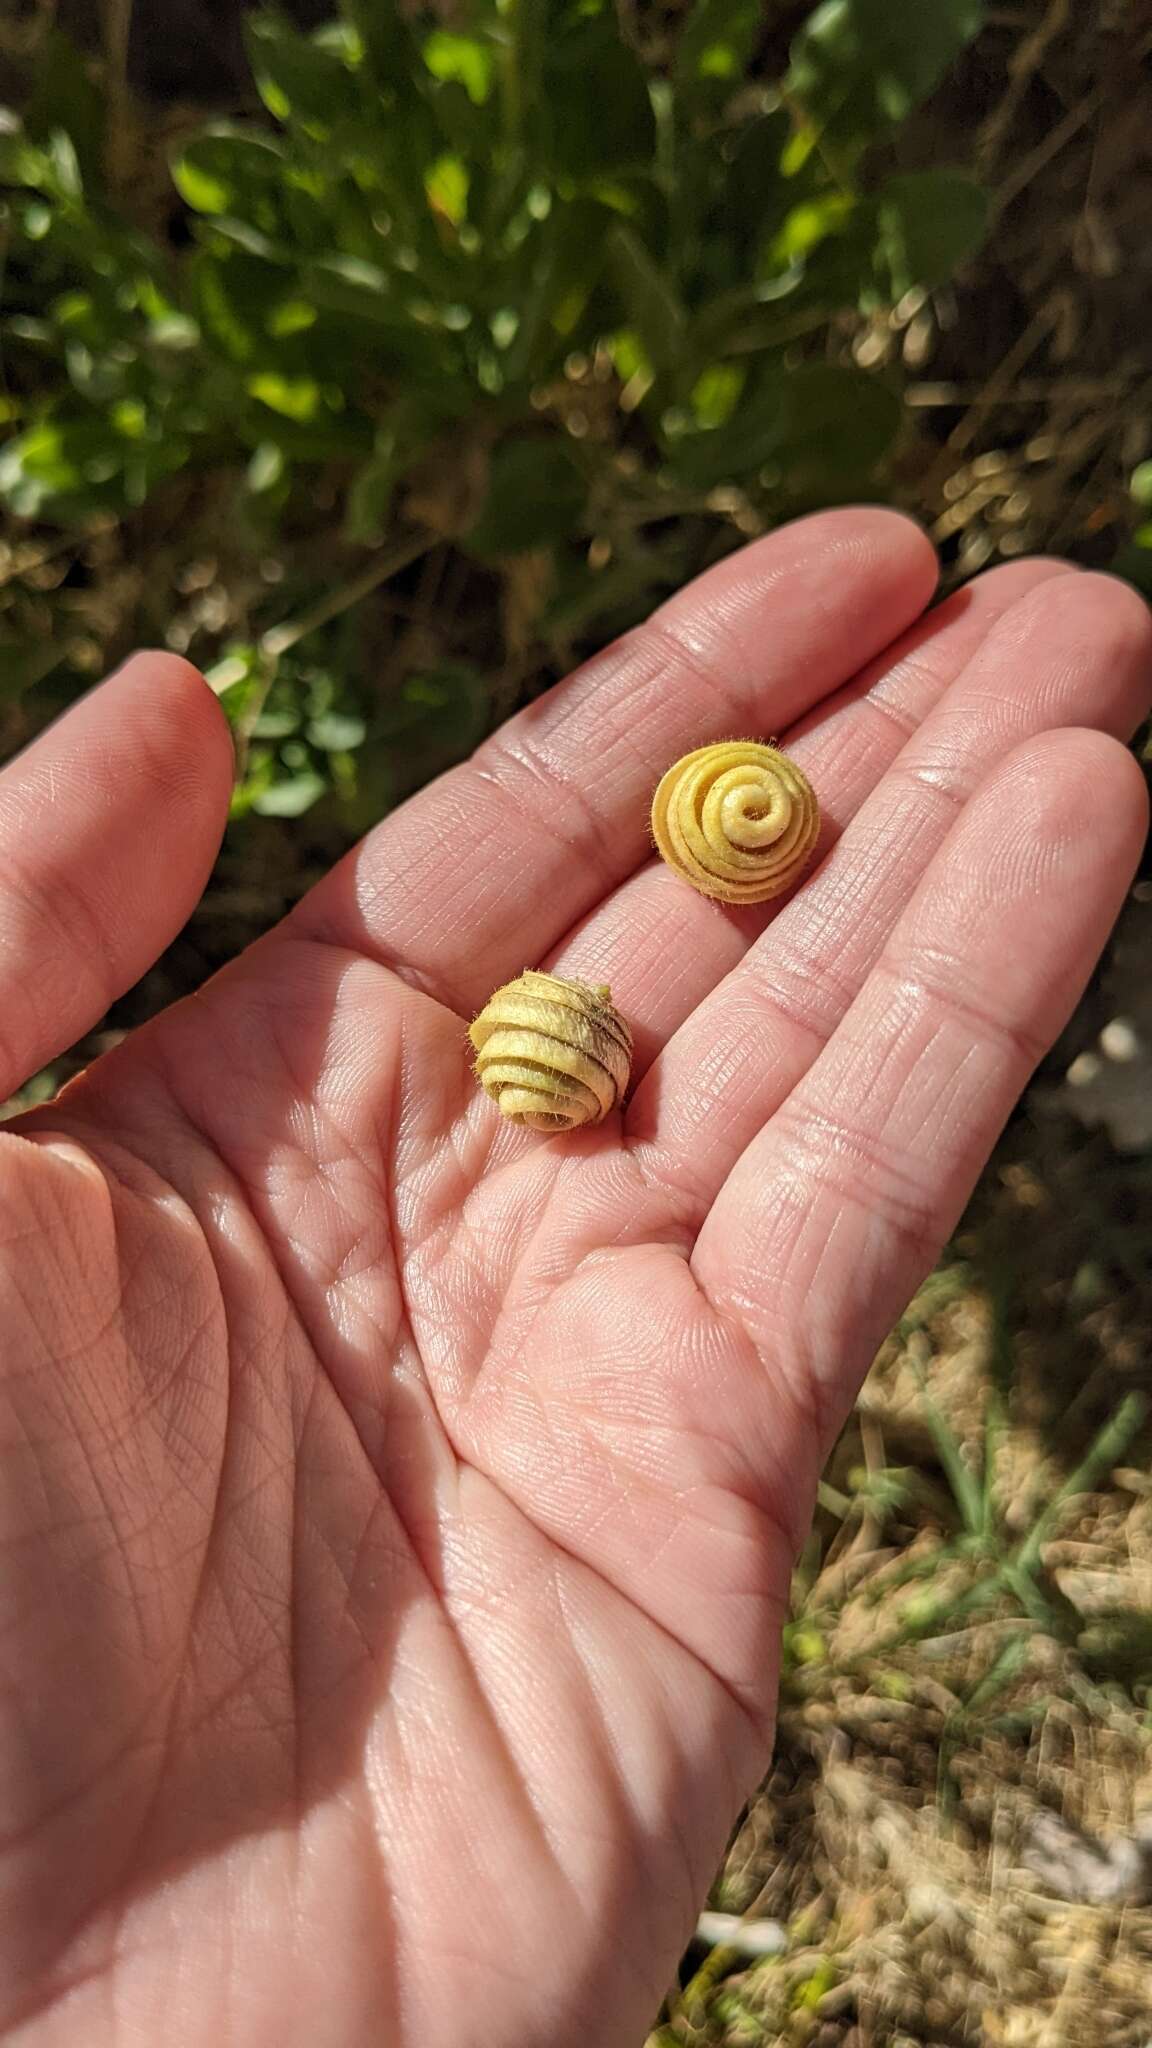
568, 307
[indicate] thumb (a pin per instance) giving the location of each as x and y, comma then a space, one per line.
109, 824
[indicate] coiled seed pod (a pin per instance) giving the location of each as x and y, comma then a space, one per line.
737, 820
552, 1054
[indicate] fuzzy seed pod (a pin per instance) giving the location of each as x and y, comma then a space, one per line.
737, 820
552, 1054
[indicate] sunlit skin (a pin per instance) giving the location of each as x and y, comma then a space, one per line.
397, 1507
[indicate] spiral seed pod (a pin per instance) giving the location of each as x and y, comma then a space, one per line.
552, 1054
737, 820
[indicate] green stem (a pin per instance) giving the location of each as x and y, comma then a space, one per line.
278, 639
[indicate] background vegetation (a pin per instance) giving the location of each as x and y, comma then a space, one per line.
386, 362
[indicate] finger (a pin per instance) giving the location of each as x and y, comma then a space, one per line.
837, 1209
109, 824
1078, 651
480, 875
660, 947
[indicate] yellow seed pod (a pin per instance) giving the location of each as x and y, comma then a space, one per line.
737, 820
552, 1054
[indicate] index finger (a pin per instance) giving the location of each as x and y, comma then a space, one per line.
109, 824
482, 873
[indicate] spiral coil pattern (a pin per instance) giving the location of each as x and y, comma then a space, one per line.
552, 1054
738, 820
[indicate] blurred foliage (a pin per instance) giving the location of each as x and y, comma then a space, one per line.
553, 300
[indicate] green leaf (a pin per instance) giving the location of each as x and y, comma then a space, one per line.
1106, 1449
748, 439
714, 45
842, 423
276, 725
64, 98
305, 77
860, 67
235, 296
336, 732
927, 224
806, 226
435, 718
372, 490
294, 398
446, 184
53, 461
651, 305
567, 261
967, 1489
535, 497
225, 169
349, 286
594, 111
21, 163
291, 797
241, 234
387, 41
67, 179
63, 468
822, 427
463, 60
716, 394
266, 468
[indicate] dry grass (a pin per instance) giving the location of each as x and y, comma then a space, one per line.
971, 1649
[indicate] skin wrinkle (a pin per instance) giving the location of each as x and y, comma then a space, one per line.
132, 1853
744, 1708
952, 1103
706, 668
368, 1544
883, 699
585, 843
240, 1182
60, 914
390, 963
134, 1744
742, 1313
809, 1388
320, 927
514, 1777
473, 1615
1027, 1048
98, 1486
844, 738
588, 1527
587, 1665
898, 1186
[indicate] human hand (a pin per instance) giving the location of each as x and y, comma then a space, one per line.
396, 1508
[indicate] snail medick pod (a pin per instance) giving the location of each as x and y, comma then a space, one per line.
552, 1054
738, 820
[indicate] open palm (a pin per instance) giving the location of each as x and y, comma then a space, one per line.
396, 1508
